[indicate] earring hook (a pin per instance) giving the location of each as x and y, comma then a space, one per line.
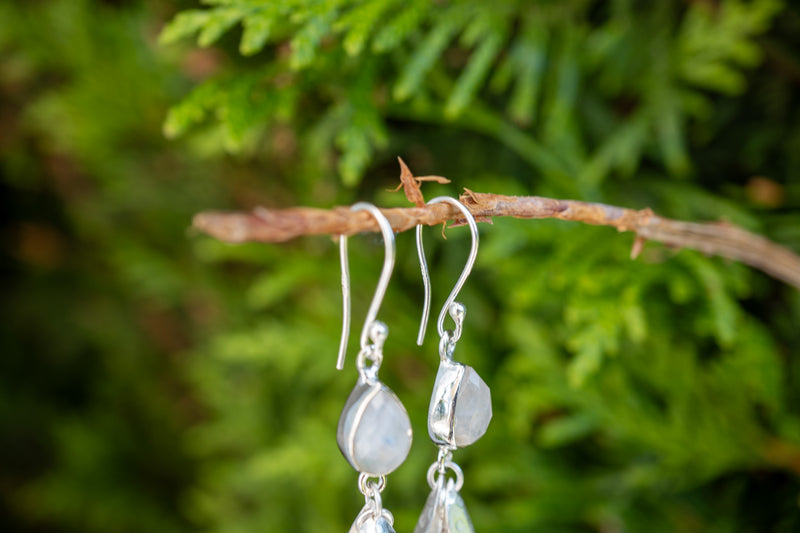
426, 279
380, 290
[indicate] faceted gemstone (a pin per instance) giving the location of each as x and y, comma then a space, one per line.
444, 512
461, 406
374, 431
473, 409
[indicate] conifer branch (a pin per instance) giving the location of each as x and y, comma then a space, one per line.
716, 238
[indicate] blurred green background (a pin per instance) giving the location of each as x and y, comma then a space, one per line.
153, 379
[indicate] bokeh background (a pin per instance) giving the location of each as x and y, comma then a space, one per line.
154, 379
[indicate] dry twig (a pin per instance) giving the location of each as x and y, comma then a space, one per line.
724, 240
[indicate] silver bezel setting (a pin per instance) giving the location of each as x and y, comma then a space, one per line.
442, 409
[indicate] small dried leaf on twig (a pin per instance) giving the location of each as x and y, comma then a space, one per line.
411, 184
638, 246
438, 179
419, 179
468, 195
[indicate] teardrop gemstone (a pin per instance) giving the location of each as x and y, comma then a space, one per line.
374, 432
444, 512
461, 406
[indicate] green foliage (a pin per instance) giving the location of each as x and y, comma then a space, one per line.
715, 44
535, 67
153, 379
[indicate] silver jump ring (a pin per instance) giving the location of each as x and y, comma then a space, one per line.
374, 499
432, 480
374, 355
367, 487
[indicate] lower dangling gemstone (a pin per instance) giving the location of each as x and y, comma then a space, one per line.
444, 511
367, 522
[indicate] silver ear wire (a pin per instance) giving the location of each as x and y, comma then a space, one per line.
426, 280
380, 290
345, 302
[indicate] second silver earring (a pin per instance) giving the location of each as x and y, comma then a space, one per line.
461, 404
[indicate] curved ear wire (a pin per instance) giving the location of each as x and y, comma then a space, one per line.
345, 302
380, 290
423, 266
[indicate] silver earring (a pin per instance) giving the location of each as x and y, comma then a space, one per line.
461, 404
374, 432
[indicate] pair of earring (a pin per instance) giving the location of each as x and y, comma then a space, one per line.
374, 432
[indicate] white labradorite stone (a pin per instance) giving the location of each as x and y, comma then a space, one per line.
374, 431
444, 512
473, 410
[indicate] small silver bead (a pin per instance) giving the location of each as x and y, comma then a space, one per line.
458, 311
378, 332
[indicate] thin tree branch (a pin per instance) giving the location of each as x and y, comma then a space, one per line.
724, 240
721, 239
